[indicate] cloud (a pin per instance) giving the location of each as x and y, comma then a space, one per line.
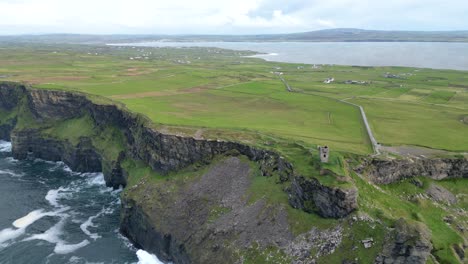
216, 17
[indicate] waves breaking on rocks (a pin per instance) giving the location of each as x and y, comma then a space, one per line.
5, 146
74, 219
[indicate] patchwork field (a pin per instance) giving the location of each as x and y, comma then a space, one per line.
201, 90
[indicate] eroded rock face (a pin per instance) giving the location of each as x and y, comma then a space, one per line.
310, 195
407, 244
440, 194
82, 157
163, 153
187, 226
6, 129
210, 216
389, 171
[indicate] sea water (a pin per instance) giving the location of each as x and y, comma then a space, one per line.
50, 214
437, 55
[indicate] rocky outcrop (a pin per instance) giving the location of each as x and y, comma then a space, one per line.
311, 196
10, 95
6, 128
82, 157
164, 154
440, 194
409, 243
388, 171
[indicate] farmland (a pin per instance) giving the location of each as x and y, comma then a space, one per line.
220, 94
210, 92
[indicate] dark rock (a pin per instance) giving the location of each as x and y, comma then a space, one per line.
10, 95
416, 182
174, 227
460, 251
449, 219
310, 195
163, 153
440, 194
409, 243
183, 219
81, 158
6, 129
389, 171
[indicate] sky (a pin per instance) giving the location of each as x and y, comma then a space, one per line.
226, 17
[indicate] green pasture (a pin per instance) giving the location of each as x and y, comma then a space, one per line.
208, 88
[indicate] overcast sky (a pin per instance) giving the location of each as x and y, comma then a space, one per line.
227, 17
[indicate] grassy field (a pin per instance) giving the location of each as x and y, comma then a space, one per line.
208, 88
213, 93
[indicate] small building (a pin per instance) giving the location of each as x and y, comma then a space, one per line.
324, 153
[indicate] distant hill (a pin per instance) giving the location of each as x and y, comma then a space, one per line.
358, 35
328, 35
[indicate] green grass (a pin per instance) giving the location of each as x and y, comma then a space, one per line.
269, 189
394, 203
400, 123
224, 95
72, 129
221, 90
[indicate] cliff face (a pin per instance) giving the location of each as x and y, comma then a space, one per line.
303, 192
163, 154
82, 157
408, 243
389, 171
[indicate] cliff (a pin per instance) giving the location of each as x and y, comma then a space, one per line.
68, 127
388, 171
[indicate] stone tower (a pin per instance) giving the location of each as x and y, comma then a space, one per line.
324, 153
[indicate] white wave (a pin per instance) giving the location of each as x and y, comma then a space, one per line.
147, 258
62, 248
58, 165
11, 173
55, 194
78, 260
89, 222
94, 179
5, 146
272, 54
22, 223
30, 218
10, 233
33, 216
52, 235
38, 160
11, 160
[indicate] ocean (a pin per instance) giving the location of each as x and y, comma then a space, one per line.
50, 214
437, 55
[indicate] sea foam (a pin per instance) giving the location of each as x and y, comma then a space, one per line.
22, 223
30, 218
147, 258
55, 194
52, 235
89, 223
9, 234
11, 173
5, 146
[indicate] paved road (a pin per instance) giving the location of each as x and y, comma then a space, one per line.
375, 144
288, 87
